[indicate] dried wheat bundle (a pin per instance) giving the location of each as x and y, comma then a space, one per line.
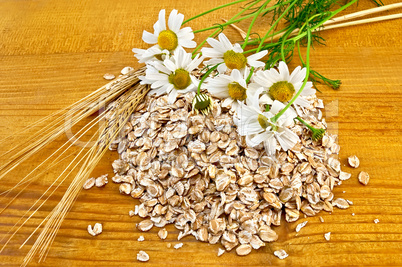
119, 98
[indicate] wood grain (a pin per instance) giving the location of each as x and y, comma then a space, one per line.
53, 53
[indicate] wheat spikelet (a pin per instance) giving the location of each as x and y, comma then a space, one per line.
53, 125
123, 95
126, 105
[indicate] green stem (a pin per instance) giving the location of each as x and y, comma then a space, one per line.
253, 21
255, 49
230, 21
212, 10
203, 42
240, 19
302, 35
276, 117
332, 14
298, 50
285, 36
274, 25
317, 134
249, 75
206, 75
306, 124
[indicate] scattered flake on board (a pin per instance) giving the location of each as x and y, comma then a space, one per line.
321, 219
168, 245
109, 76
376, 221
100, 60
141, 238
353, 161
340, 203
96, 230
327, 236
281, 254
179, 245
349, 202
142, 256
344, 176
101, 180
89, 183
300, 226
220, 252
353, 214
243, 250
363, 178
131, 213
145, 225
126, 70
163, 233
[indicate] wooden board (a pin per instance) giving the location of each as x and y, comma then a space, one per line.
53, 53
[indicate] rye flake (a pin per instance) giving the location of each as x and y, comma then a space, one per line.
197, 173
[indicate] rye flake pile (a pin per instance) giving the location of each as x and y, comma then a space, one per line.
197, 173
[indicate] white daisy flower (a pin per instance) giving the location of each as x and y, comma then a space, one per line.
151, 54
282, 86
257, 126
232, 88
173, 75
231, 55
172, 38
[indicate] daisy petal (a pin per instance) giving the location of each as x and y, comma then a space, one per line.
161, 20
149, 38
175, 20
187, 43
225, 42
216, 45
270, 146
222, 68
172, 96
283, 71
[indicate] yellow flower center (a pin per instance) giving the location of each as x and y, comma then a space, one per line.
234, 60
180, 79
167, 40
202, 103
159, 56
263, 121
236, 91
282, 91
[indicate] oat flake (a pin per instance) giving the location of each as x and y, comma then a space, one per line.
327, 236
300, 226
179, 245
109, 76
281, 254
142, 256
220, 252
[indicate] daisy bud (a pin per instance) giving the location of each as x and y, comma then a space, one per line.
202, 103
317, 134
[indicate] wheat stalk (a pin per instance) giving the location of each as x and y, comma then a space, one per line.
125, 93
126, 106
53, 128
